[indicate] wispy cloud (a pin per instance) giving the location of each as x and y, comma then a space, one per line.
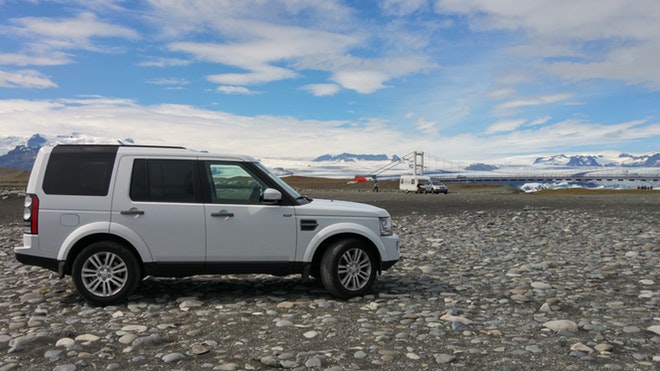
612, 39
531, 101
271, 51
226, 89
168, 81
504, 126
321, 90
25, 79
165, 62
48, 38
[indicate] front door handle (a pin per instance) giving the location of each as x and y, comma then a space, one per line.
224, 213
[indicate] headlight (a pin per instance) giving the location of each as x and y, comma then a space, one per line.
385, 226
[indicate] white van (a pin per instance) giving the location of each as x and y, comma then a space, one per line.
413, 183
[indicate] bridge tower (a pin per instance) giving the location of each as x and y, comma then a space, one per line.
419, 163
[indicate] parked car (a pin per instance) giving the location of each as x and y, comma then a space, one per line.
435, 187
110, 215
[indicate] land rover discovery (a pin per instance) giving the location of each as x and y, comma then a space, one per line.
110, 215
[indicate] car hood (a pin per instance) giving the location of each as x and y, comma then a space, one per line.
321, 207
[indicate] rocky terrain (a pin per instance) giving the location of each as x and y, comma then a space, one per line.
489, 279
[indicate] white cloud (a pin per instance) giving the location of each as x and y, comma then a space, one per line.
263, 55
47, 40
165, 62
273, 47
321, 90
634, 64
41, 59
70, 33
176, 18
575, 133
369, 75
402, 8
504, 126
511, 125
610, 39
504, 66
425, 126
168, 81
170, 124
531, 101
362, 81
226, 89
539, 121
25, 79
500, 93
259, 75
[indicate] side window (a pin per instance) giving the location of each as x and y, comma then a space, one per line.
163, 181
79, 170
233, 184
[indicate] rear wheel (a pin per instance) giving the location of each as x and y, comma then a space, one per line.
348, 268
105, 273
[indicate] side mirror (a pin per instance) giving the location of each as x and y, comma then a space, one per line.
271, 196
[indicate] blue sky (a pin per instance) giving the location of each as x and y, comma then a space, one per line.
461, 79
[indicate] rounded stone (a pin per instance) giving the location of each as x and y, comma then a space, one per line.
173, 357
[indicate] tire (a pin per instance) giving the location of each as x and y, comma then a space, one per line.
105, 273
348, 268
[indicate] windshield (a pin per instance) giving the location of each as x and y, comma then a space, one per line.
279, 181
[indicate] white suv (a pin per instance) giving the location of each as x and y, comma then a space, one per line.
109, 215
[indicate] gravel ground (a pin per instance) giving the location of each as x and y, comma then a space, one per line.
489, 279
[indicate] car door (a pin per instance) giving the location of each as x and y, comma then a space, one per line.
159, 200
239, 227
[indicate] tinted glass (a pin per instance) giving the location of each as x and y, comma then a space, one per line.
163, 181
79, 170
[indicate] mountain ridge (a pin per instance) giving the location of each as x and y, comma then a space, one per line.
21, 152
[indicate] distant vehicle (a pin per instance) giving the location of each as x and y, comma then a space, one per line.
413, 183
421, 184
434, 186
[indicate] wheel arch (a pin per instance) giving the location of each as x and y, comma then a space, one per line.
330, 240
79, 245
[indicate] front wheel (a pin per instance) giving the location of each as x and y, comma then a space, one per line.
348, 268
105, 273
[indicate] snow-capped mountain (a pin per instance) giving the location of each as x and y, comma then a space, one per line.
652, 160
563, 160
622, 160
353, 157
20, 152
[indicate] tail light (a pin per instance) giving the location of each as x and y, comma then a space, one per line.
31, 214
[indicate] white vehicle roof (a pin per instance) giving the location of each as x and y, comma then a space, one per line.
139, 150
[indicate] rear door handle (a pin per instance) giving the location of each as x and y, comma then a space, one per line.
132, 211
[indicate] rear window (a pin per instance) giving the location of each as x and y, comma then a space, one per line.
79, 170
